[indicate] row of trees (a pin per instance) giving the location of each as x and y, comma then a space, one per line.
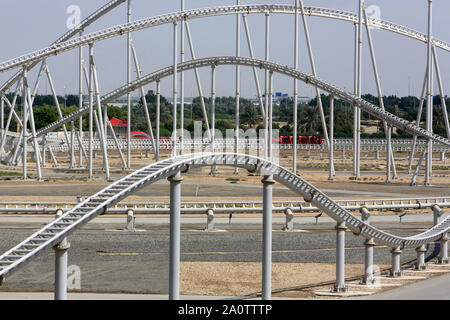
309, 121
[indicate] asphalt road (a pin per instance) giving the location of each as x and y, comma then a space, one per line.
216, 189
114, 260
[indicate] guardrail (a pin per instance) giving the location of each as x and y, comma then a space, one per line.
398, 145
228, 207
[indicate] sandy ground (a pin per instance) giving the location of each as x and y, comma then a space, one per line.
244, 278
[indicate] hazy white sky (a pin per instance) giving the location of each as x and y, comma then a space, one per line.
31, 25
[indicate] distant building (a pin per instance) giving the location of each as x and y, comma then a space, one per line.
120, 127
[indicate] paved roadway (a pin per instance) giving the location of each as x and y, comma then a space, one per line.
114, 260
204, 190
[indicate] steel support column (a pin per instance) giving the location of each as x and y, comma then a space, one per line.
388, 154
396, 270
429, 121
182, 27
340, 258
80, 102
213, 114
368, 261
368, 277
443, 252
294, 143
61, 258
238, 85
158, 118
267, 237
420, 263
175, 93
331, 137
24, 126
91, 112
266, 84
129, 93
174, 262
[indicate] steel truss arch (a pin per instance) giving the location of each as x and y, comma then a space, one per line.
68, 35
275, 67
120, 30
72, 220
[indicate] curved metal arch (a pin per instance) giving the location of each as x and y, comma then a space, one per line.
275, 67
68, 35
119, 30
97, 204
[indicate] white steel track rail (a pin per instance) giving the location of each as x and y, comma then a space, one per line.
54, 232
271, 66
119, 30
230, 206
68, 35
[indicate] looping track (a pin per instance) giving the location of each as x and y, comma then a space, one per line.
59, 47
54, 232
279, 68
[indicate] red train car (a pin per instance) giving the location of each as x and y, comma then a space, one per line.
300, 140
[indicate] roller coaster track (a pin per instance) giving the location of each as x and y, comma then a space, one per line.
54, 232
400, 145
120, 30
275, 67
68, 35
231, 206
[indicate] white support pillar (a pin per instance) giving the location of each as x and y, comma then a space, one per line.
289, 226
429, 118
238, 86
388, 154
129, 93
144, 100
174, 259
294, 144
174, 86
209, 219
340, 258
158, 118
2, 114
443, 252
368, 262
255, 71
91, 112
213, 115
331, 149
131, 219
29, 105
24, 126
266, 84
267, 237
437, 213
396, 270
377, 80
314, 73
198, 81
61, 258
420, 263
369, 244
182, 27
80, 103
441, 93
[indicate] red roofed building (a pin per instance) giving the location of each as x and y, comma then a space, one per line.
120, 127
